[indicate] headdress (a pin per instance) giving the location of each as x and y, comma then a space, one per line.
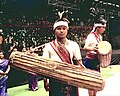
99, 23
61, 21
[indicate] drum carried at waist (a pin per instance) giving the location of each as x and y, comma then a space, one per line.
104, 53
61, 71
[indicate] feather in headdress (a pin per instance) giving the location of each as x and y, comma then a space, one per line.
60, 14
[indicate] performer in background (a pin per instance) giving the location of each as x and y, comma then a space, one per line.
33, 82
63, 50
32, 77
4, 69
91, 59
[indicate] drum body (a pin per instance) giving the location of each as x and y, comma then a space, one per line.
61, 71
104, 53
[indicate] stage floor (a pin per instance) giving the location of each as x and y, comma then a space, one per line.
111, 74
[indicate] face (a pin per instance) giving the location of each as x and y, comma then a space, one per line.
61, 32
1, 55
101, 29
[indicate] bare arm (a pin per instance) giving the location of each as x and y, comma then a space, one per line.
79, 63
90, 47
7, 71
1, 72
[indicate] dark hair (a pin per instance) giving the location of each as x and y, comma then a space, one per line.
1, 51
102, 21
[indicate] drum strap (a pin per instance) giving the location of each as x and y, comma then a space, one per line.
64, 55
97, 37
61, 51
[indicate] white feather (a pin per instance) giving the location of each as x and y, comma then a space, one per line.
60, 14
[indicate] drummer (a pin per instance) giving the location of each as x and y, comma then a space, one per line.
93, 38
62, 50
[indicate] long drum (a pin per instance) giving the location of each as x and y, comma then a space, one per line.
104, 53
63, 72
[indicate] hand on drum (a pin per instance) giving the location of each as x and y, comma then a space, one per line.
95, 48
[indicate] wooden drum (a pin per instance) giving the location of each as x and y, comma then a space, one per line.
104, 53
61, 71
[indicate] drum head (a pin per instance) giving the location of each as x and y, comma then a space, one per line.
104, 47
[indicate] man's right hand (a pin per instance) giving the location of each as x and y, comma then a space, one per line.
46, 85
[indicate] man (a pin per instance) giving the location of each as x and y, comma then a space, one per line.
62, 50
91, 60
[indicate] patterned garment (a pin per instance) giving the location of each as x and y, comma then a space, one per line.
48, 51
91, 60
61, 51
59, 89
56, 87
3, 88
92, 40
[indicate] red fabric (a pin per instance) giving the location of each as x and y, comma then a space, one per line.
77, 91
97, 37
64, 55
62, 52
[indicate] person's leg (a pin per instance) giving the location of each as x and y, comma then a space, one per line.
3, 90
33, 82
92, 93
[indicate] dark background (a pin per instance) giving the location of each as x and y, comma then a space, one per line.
13, 9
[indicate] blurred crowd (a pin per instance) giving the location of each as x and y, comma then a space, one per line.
32, 32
